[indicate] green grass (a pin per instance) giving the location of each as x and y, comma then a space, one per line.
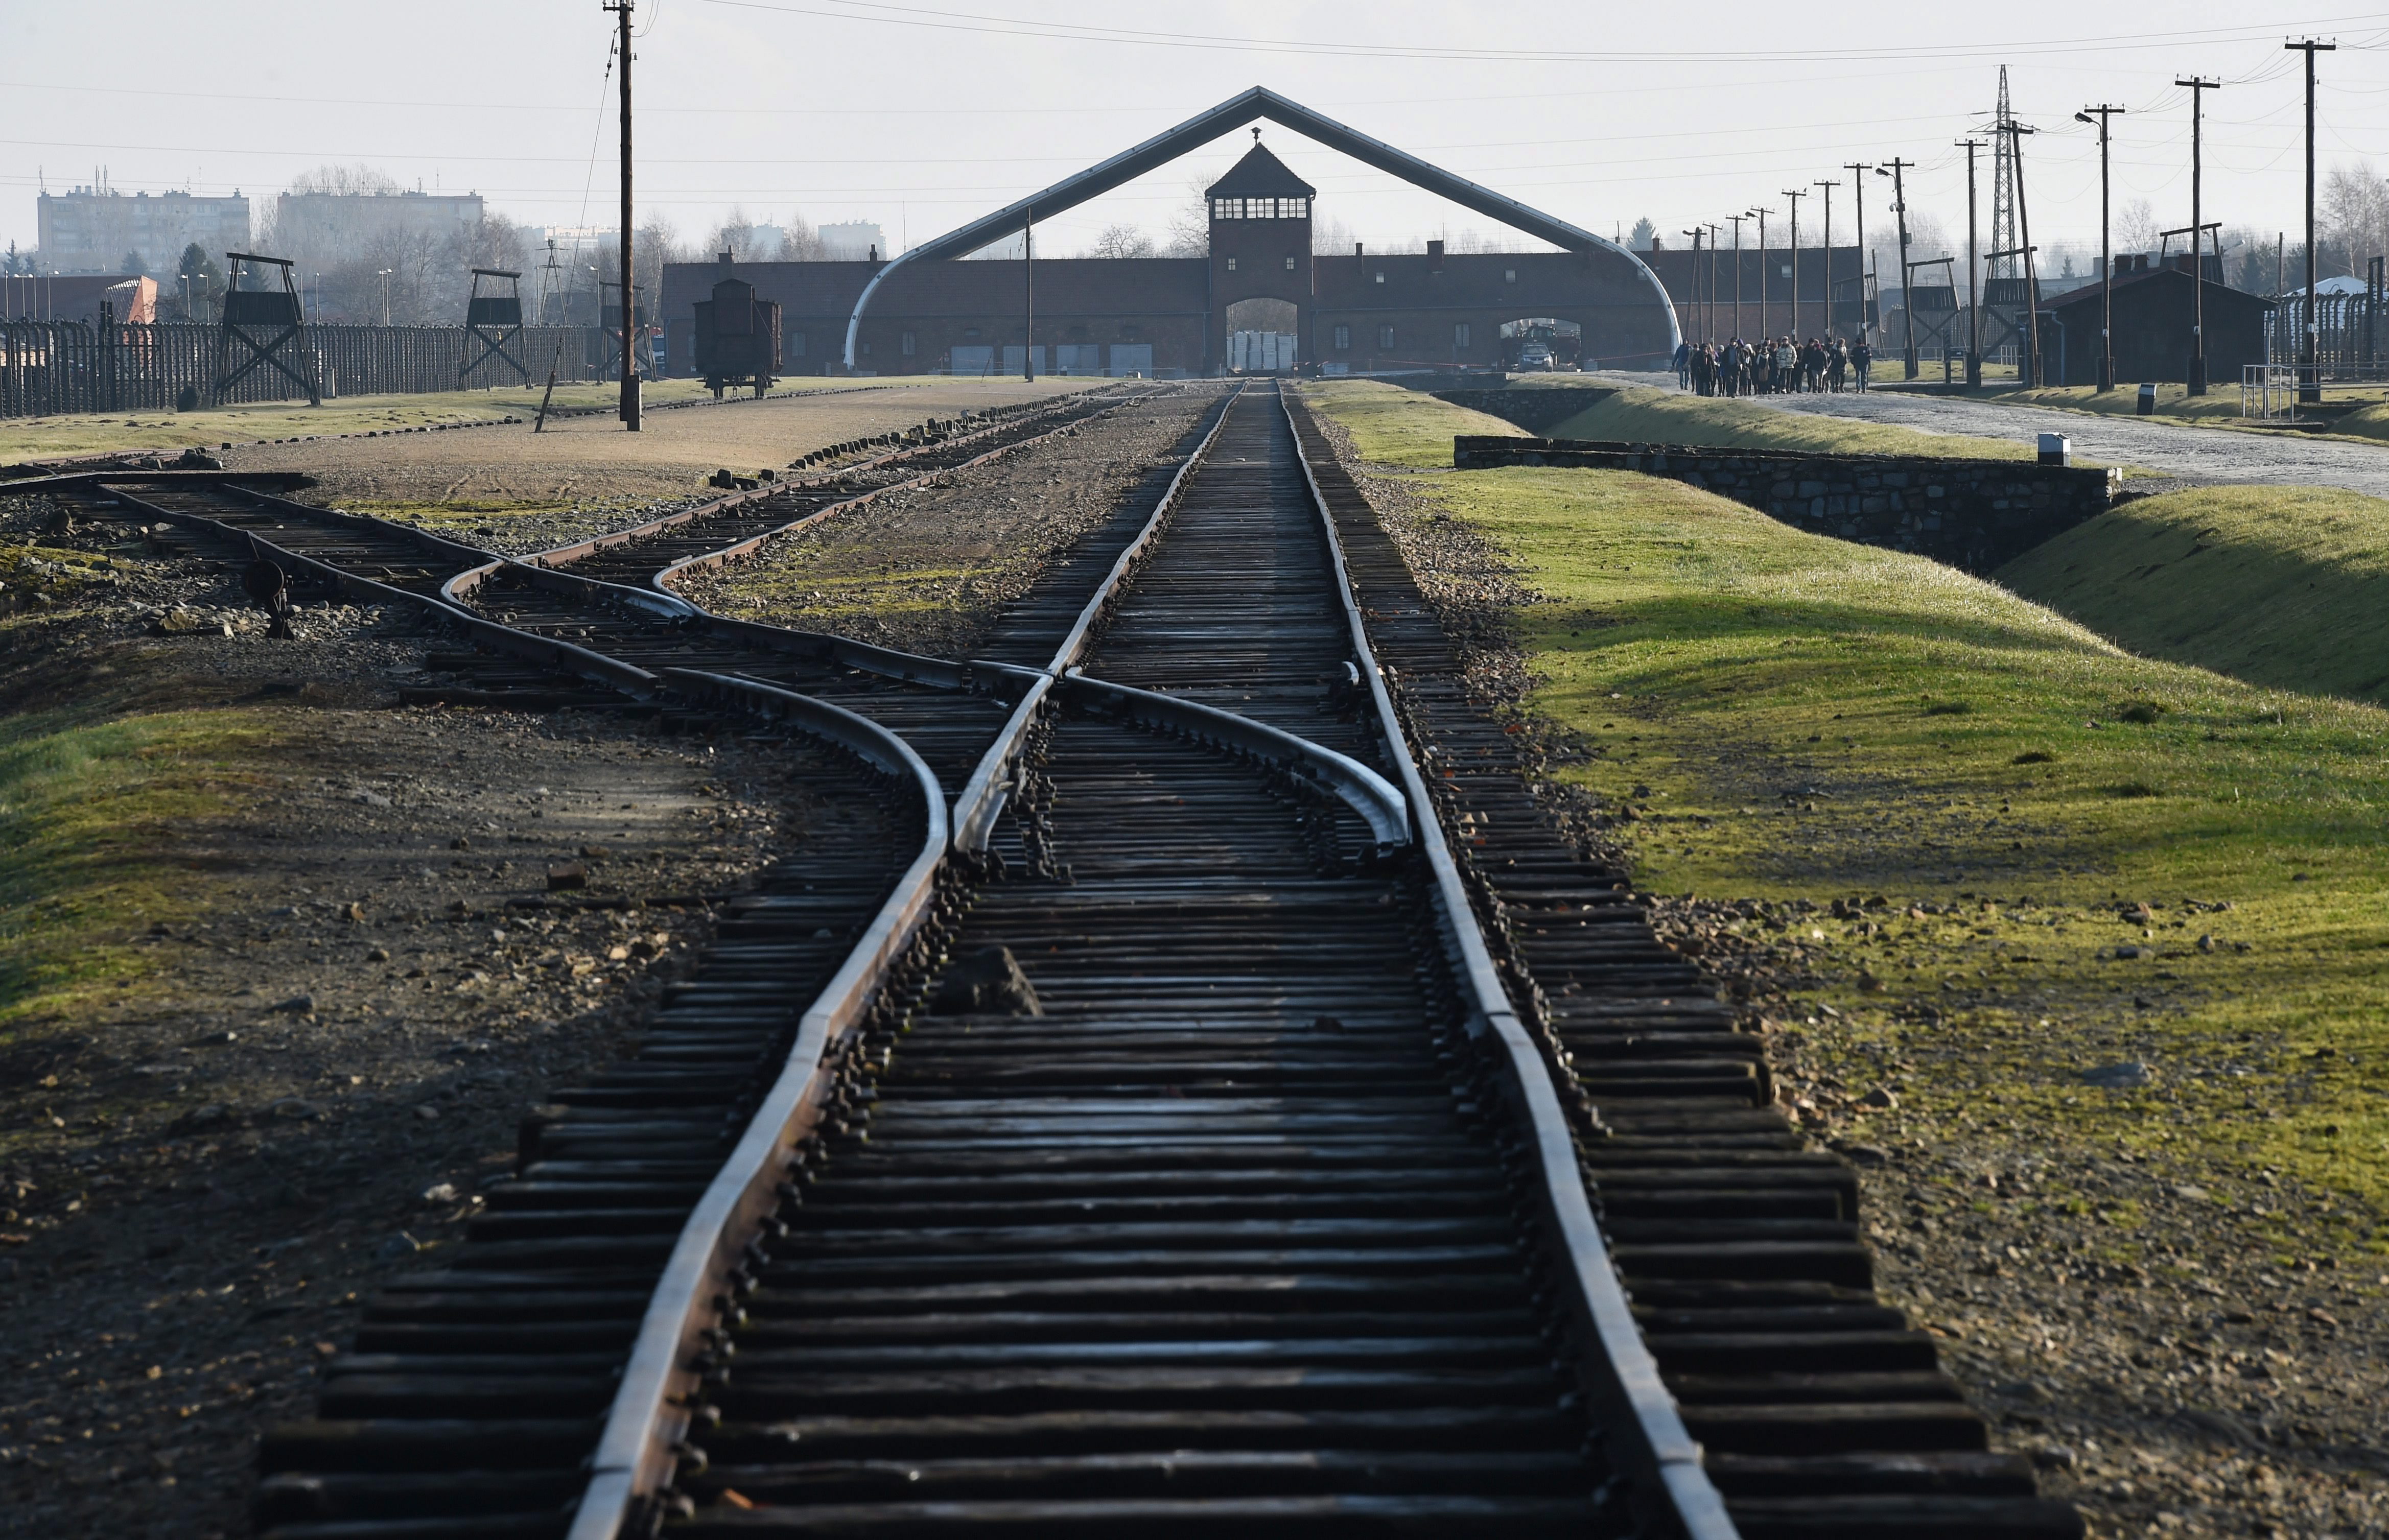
1800, 718
89, 803
1412, 430
2281, 586
1661, 416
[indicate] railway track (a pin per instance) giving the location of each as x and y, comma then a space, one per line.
1277, 1211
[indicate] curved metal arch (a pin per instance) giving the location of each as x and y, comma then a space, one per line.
1229, 116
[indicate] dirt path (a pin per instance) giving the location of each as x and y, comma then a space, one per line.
591, 457
2178, 448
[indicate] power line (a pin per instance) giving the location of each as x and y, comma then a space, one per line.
971, 21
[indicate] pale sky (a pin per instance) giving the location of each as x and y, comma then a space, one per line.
923, 116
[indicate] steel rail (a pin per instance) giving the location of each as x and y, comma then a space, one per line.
649, 1411
547, 569
990, 783
635, 1450
563, 656
1676, 1489
71, 480
659, 582
1384, 809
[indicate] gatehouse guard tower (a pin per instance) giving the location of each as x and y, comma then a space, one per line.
1261, 278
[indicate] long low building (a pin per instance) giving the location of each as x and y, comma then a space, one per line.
1185, 315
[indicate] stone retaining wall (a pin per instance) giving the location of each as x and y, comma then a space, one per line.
1972, 514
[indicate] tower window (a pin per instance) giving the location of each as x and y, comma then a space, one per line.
1381, 274
1260, 208
1509, 274
1232, 264
1459, 335
1289, 264
1385, 337
1342, 338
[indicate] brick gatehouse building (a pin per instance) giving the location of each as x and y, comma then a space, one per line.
1175, 315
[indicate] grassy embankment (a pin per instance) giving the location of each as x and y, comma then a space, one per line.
89, 801
101, 777
2282, 591
1809, 718
1663, 417
84, 433
2280, 586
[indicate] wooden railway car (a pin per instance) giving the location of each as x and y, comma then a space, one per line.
737, 335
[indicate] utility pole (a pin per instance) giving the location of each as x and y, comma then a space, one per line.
2310, 374
1712, 229
1827, 187
1695, 233
1735, 220
630, 407
1764, 329
2198, 86
1796, 199
1974, 293
1899, 207
1857, 169
2106, 257
2029, 367
1028, 294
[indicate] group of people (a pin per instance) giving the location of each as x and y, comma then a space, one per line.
1767, 368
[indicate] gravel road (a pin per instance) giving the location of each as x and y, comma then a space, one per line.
2176, 448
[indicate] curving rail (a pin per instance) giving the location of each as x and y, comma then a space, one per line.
1225, 651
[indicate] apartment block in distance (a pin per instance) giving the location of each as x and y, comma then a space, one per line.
93, 229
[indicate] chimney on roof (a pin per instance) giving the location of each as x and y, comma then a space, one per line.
1435, 255
725, 259
875, 255
1356, 249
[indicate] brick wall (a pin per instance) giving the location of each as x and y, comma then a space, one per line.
1972, 514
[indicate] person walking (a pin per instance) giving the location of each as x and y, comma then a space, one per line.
1684, 367
1861, 360
1837, 366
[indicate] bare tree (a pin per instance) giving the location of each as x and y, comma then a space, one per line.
2355, 217
738, 235
1121, 240
1190, 223
498, 242
656, 242
800, 240
2136, 227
